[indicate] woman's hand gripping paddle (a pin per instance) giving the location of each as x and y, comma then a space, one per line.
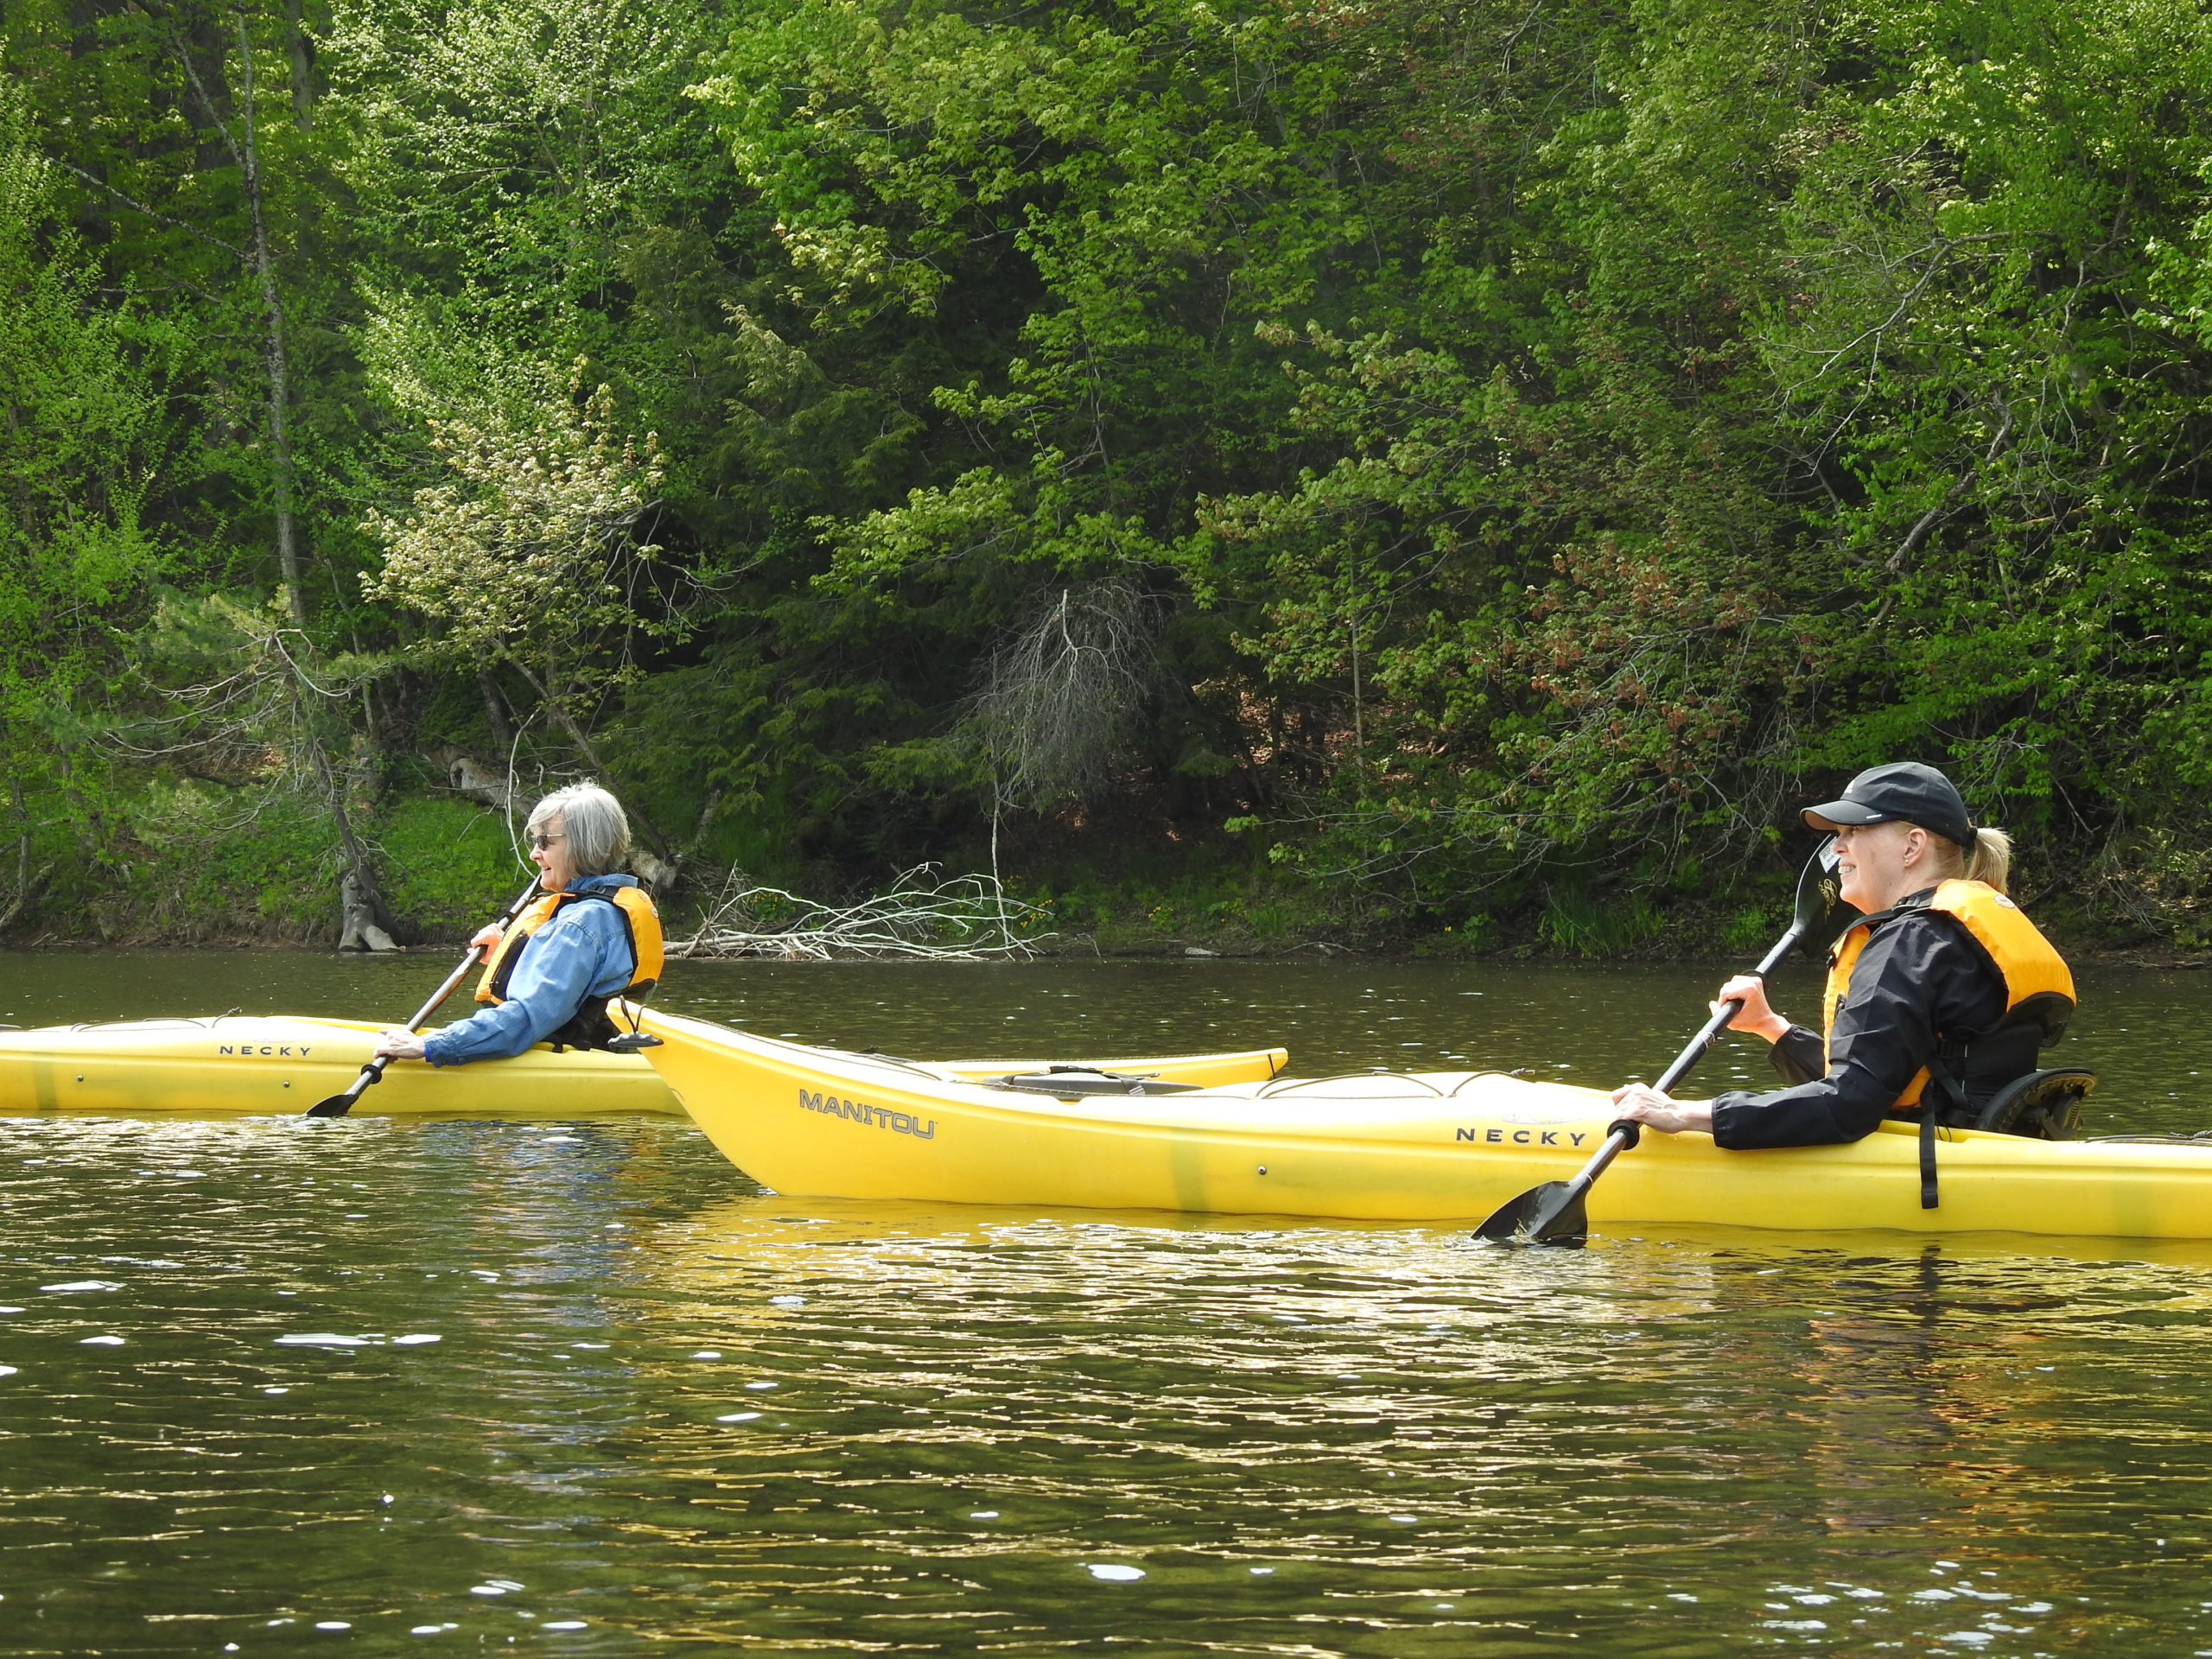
339, 1105
1553, 1213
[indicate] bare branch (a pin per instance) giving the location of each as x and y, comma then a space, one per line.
963, 919
154, 214
1059, 691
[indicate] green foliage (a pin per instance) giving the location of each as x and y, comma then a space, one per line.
1580, 923
1750, 931
1151, 905
211, 865
1982, 361
450, 865
527, 558
1504, 460
501, 158
79, 429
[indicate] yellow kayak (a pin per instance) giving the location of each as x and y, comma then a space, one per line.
284, 1064
1424, 1146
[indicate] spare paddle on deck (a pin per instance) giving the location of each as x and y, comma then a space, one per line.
1553, 1213
339, 1105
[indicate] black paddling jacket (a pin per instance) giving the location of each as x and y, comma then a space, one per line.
1921, 974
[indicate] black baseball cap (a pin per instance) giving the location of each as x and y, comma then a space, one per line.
1906, 790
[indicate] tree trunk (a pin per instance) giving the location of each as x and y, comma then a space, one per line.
362, 912
280, 439
90, 842
363, 919
247, 154
25, 881
357, 926
299, 46
495, 714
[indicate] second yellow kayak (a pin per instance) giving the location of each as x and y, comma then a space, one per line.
1431, 1146
285, 1063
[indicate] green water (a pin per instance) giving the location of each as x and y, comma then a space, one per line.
666, 1412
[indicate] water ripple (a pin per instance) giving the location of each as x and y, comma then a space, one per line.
584, 1385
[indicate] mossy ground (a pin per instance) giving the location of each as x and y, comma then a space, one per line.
203, 872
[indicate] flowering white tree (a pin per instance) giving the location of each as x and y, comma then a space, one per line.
529, 555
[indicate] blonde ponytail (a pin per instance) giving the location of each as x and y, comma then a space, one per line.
1991, 861
1993, 858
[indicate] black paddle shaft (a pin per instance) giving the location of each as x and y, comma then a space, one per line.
339, 1105
1727, 1011
1553, 1213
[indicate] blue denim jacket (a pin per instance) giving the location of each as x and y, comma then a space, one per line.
583, 951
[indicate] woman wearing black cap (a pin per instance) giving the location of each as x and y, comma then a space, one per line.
1945, 991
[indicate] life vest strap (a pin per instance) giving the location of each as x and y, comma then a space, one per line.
1944, 1094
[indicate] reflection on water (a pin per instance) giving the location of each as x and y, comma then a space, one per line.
2146, 1032
662, 1407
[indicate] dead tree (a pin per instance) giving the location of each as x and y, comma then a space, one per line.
1059, 692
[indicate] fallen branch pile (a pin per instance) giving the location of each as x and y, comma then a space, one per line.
963, 919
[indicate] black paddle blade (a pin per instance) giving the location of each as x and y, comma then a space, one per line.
1821, 909
1550, 1214
339, 1105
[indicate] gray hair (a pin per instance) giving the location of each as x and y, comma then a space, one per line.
599, 835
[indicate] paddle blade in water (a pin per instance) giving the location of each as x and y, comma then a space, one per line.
339, 1105
1550, 1214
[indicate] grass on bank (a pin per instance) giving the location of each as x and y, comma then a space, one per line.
204, 865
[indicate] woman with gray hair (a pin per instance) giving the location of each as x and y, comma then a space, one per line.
592, 936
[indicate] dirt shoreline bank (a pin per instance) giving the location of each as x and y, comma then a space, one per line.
2166, 957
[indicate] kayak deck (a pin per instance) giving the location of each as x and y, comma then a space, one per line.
1430, 1145
247, 1064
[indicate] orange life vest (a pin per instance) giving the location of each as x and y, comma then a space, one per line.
2038, 990
588, 1027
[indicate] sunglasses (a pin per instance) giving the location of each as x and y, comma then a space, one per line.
541, 842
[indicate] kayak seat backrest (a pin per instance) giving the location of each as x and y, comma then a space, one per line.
2043, 1105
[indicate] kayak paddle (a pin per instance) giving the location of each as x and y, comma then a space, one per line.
339, 1105
1553, 1213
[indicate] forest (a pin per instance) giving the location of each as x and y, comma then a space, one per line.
1447, 474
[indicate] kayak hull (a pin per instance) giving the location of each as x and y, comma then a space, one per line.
247, 1064
244, 1065
1424, 1147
